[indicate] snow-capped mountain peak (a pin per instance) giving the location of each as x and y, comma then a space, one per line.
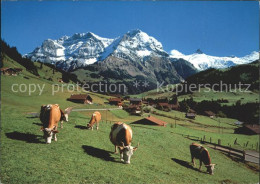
198, 51
202, 61
81, 49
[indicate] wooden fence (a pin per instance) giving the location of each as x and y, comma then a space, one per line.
245, 155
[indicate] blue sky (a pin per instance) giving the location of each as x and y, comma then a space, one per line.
217, 28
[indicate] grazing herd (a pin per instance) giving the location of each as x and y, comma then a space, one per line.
120, 135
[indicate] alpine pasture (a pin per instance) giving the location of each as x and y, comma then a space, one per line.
85, 156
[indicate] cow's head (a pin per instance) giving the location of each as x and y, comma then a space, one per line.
127, 152
64, 116
210, 168
91, 122
48, 133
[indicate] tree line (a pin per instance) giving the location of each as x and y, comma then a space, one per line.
15, 55
245, 112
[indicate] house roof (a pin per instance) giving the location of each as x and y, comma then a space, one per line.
135, 99
156, 121
150, 121
192, 111
209, 113
3, 69
13, 69
163, 104
255, 128
78, 96
190, 114
115, 100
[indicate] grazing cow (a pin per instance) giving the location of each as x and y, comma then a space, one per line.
50, 116
121, 136
65, 116
95, 118
201, 153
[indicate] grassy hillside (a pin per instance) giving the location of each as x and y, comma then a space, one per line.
82, 156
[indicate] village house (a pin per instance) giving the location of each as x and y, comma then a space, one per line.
248, 129
80, 98
133, 109
209, 114
150, 120
115, 101
11, 71
190, 115
135, 101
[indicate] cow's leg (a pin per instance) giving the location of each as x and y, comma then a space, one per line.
92, 128
55, 137
97, 126
193, 161
121, 156
200, 165
61, 124
116, 150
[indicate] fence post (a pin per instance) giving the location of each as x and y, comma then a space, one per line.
247, 143
235, 142
244, 155
210, 140
219, 141
204, 138
229, 153
256, 146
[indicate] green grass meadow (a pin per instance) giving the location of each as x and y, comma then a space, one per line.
85, 156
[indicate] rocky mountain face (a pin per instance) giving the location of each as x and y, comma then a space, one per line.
134, 56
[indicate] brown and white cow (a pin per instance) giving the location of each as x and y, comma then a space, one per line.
50, 116
199, 152
121, 136
95, 119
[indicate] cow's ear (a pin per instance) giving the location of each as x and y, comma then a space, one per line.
41, 129
55, 131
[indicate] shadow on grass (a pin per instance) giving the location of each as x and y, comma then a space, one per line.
39, 124
81, 127
27, 137
184, 164
98, 153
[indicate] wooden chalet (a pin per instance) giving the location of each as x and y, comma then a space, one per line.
190, 115
248, 129
192, 111
133, 109
80, 98
11, 71
209, 114
150, 121
135, 101
115, 101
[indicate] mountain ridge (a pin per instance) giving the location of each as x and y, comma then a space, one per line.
82, 49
